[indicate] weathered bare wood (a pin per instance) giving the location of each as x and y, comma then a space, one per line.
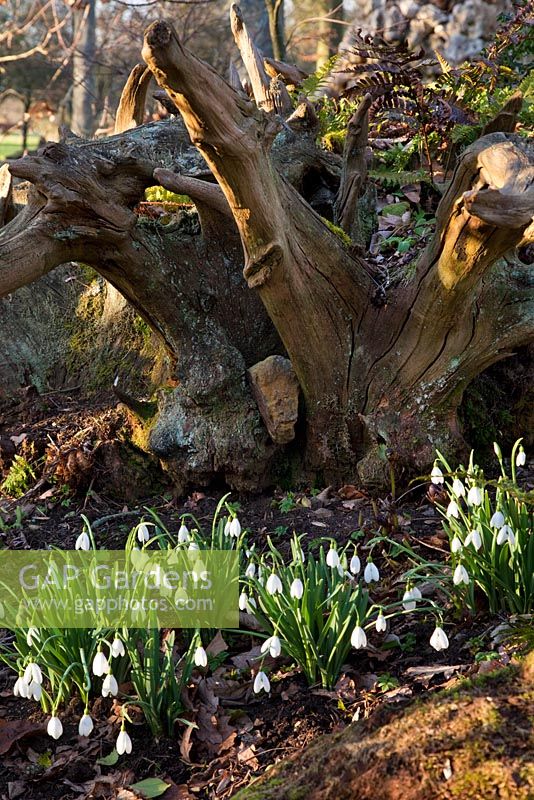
354, 172
131, 110
506, 120
7, 208
289, 73
206, 196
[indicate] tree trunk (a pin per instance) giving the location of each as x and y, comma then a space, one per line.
380, 378
83, 69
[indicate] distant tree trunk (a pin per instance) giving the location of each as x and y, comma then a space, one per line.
275, 12
329, 32
83, 70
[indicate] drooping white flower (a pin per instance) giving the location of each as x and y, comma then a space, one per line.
251, 605
243, 600
35, 691
371, 572
436, 475
33, 673
227, 527
474, 496
439, 640
497, 520
33, 633
410, 598
521, 458
100, 664
261, 681
474, 538
332, 558
506, 534
201, 657
273, 645
358, 639
456, 545
297, 589
355, 564
143, 534
83, 542
274, 584
20, 689
460, 575
54, 727
123, 743
235, 528
183, 534
110, 687
250, 570
458, 488
193, 546
117, 647
381, 623
453, 510
85, 726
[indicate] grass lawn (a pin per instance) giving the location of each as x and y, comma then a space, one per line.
11, 144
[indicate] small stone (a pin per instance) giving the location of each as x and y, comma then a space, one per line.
276, 390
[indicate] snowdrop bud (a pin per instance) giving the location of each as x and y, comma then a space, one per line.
355, 564
456, 545
123, 744
261, 681
371, 573
85, 725
35, 690
143, 534
358, 639
250, 570
297, 589
453, 510
183, 534
497, 520
381, 623
33, 633
497, 450
474, 496
439, 640
274, 584
54, 727
474, 538
273, 645
117, 648
460, 575
83, 542
458, 488
332, 558
521, 458
437, 475
110, 687
100, 664
235, 528
243, 600
200, 657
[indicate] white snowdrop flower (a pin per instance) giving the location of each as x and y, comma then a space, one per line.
183, 534
110, 687
456, 545
453, 510
371, 572
274, 584
332, 558
100, 664
85, 726
83, 542
250, 570
123, 743
474, 538
460, 575
521, 458
407, 601
243, 601
251, 605
117, 647
497, 520
355, 564
143, 534
227, 528
54, 727
235, 528
33, 673
20, 689
437, 475
497, 450
381, 623
439, 640
193, 546
506, 534
261, 681
201, 657
273, 646
358, 639
474, 496
35, 691
297, 589
33, 633
458, 488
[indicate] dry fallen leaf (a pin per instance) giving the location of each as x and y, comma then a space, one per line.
12, 731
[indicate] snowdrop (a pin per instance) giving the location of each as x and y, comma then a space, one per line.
474, 538
474, 496
371, 573
439, 640
497, 520
250, 570
273, 645
183, 534
143, 534
33, 673
100, 664
355, 564
436, 475
332, 558
261, 681
110, 687
227, 528
35, 691
453, 510
33, 633
235, 528
201, 657
123, 743
456, 545
20, 689
358, 639
381, 623
83, 542
193, 546
458, 488
243, 601
506, 534
460, 575
117, 647
54, 727
297, 589
85, 726
521, 458
274, 584
410, 598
